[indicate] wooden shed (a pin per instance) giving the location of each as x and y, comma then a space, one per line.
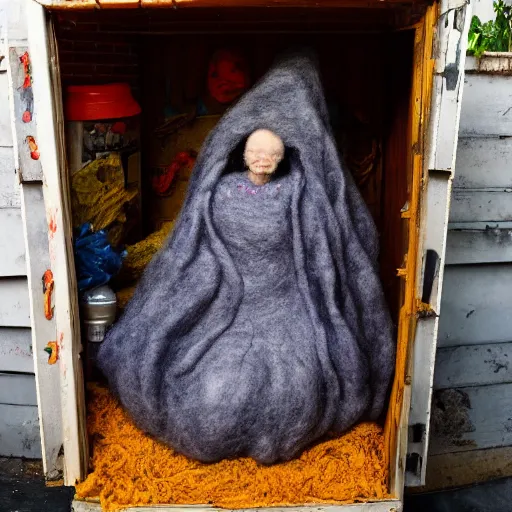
396, 70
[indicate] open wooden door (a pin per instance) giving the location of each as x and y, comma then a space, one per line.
59, 380
447, 50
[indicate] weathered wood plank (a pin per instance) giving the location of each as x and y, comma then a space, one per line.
471, 418
43, 330
17, 389
12, 245
444, 106
477, 246
24, 120
16, 350
467, 468
14, 304
476, 305
9, 189
479, 226
487, 105
440, 150
424, 346
19, 431
473, 365
378, 506
437, 202
483, 162
481, 205
74, 145
5, 116
448, 85
50, 133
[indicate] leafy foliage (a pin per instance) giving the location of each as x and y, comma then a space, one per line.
494, 35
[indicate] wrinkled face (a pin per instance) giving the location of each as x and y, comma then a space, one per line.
263, 152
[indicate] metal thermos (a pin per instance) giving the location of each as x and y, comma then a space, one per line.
98, 312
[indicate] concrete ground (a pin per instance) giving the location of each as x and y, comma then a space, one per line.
493, 496
22, 489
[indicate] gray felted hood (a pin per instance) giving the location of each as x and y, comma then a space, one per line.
261, 325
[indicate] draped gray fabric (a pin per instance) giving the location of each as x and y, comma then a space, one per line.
261, 325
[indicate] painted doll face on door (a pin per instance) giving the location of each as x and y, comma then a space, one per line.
228, 76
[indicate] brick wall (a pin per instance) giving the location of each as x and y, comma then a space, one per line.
95, 52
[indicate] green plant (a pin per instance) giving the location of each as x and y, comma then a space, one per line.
494, 35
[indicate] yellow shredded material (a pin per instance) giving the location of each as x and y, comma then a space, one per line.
129, 468
141, 253
98, 194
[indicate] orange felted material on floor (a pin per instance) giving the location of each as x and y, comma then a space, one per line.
131, 468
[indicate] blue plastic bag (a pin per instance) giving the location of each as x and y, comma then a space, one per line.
95, 259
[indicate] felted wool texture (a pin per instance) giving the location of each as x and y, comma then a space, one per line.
261, 325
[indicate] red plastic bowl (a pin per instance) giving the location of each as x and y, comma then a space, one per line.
95, 102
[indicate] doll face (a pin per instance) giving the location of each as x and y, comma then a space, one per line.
263, 152
228, 76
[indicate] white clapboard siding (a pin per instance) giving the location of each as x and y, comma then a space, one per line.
16, 350
12, 244
5, 116
477, 305
14, 21
479, 246
473, 418
474, 365
17, 389
487, 108
479, 226
484, 163
19, 425
481, 205
9, 188
462, 469
14, 303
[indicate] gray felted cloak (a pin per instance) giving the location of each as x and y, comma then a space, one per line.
261, 325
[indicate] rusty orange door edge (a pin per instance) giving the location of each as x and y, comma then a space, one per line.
77, 5
423, 75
